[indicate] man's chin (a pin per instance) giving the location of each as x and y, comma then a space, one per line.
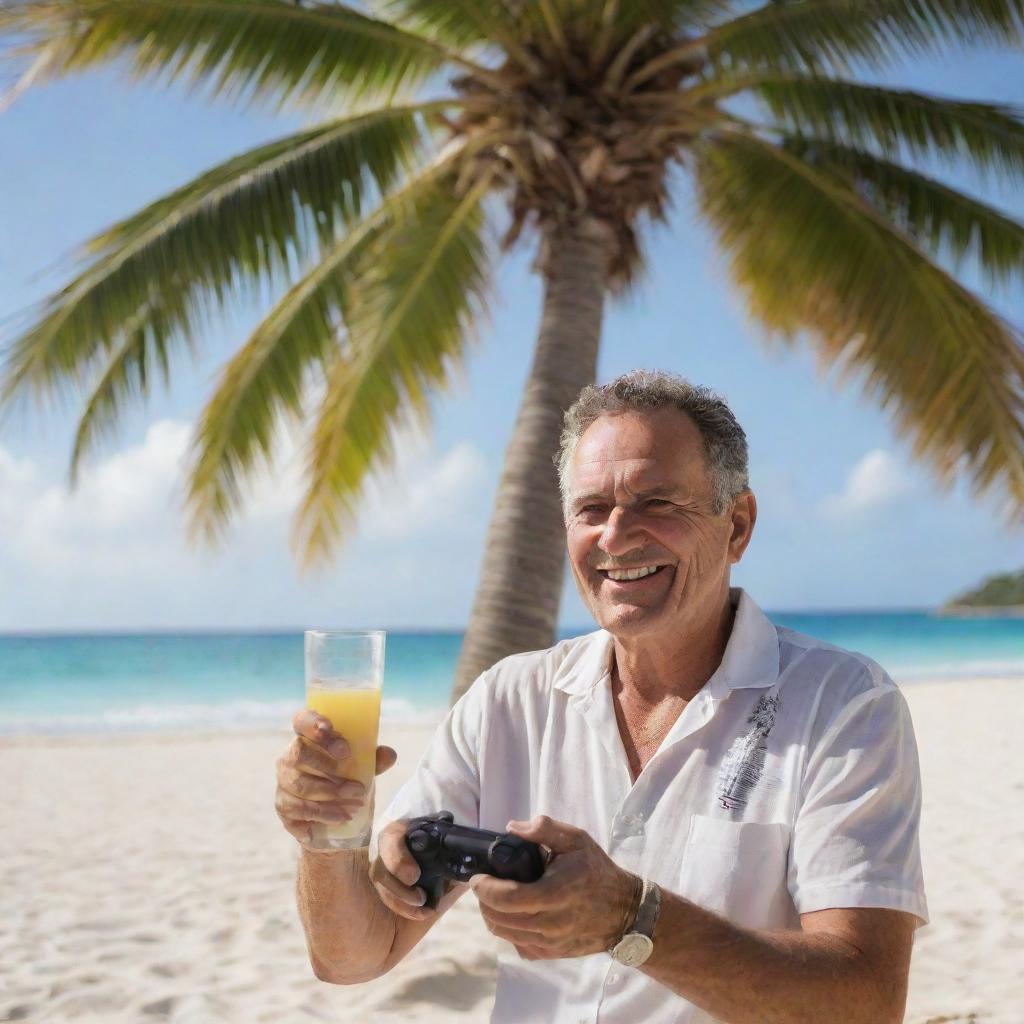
628, 619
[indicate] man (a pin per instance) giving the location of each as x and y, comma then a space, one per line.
732, 807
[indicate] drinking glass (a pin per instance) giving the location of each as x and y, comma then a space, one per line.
344, 673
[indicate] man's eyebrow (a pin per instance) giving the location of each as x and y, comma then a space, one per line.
592, 496
653, 492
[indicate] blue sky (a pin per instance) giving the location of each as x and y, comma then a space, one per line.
847, 520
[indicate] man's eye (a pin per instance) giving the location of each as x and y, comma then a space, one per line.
656, 501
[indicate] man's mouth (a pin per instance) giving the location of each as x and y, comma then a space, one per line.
633, 576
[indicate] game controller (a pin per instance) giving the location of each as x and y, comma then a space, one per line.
445, 850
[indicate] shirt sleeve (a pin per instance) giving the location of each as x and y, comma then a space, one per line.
855, 840
447, 777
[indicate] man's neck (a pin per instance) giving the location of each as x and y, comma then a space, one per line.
652, 668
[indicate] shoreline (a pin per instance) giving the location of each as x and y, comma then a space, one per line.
101, 735
102, 738
982, 611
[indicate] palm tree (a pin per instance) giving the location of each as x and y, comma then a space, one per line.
567, 118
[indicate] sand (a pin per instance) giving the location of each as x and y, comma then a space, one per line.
147, 879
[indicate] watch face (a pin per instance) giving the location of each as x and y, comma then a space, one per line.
633, 949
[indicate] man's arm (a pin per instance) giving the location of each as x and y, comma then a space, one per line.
847, 965
359, 919
844, 965
349, 931
362, 919
363, 914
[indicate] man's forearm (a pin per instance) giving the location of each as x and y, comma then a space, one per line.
742, 976
349, 931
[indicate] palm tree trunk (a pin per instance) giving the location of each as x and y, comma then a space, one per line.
516, 604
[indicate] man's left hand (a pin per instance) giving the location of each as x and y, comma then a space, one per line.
578, 907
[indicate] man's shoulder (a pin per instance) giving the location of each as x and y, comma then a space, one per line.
536, 673
826, 677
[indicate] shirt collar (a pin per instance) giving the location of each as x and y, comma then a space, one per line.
751, 656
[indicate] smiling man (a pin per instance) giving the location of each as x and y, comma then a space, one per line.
732, 807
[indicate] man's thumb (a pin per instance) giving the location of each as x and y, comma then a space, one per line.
558, 836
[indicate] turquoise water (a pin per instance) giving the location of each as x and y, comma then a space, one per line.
56, 684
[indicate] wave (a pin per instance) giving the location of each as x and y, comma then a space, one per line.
233, 716
990, 668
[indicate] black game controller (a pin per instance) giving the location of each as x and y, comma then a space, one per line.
445, 850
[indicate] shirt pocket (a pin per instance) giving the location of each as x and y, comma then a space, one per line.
738, 869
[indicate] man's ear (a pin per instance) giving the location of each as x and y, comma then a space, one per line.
743, 515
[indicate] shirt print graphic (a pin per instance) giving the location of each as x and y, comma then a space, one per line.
743, 764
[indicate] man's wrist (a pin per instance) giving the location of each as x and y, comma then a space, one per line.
334, 854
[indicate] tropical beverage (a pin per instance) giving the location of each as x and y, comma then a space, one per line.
344, 671
355, 715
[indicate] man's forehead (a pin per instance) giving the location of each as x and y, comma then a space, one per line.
667, 438
644, 450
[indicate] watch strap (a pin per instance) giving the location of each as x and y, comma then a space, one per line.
647, 912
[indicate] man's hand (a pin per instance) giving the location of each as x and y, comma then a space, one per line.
311, 784
578, 907
395, 872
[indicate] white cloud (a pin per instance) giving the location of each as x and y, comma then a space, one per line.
113, 552
424, 495
875, 482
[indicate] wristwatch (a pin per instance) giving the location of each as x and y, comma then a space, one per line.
637, 944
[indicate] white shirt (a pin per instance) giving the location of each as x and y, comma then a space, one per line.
788, 784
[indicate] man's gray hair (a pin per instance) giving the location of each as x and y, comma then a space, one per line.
725, 444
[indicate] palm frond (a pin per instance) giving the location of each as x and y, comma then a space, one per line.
264, 379
938, 218
832, 33
670, 16
154, 277
239, 49
988, 135
813, 256
424, 285
465, 23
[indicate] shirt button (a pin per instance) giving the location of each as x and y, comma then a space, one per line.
613, 979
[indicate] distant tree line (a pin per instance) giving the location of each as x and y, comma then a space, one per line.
1005, 588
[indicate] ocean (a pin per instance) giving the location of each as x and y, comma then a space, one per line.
56, 684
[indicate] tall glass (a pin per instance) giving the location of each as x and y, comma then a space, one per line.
344, 673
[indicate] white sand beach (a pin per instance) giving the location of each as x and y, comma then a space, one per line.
146, 879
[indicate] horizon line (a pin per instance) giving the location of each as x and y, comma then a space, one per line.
292, 630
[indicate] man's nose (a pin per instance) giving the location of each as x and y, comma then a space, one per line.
620, 532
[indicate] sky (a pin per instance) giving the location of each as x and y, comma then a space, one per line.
847, 520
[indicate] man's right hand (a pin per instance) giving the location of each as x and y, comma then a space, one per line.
310, 785
394, 873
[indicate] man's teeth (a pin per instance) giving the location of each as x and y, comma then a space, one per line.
632, 574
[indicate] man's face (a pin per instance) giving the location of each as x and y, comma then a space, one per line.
640, 497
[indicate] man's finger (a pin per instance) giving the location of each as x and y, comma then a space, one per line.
558, 836
516, 897
386, 758
409, 895
530, 953
315, 787
395, 855
504, 919
317, 729
519, 937
400, 907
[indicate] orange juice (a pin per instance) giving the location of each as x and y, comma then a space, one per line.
355, 715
